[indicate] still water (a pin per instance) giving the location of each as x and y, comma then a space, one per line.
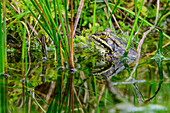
95, 86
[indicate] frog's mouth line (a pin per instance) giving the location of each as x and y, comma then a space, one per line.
102, 43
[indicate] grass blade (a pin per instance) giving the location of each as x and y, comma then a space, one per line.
134, 27
3, 99
112, 12
95, 88
164, 11
94, 17
62, 25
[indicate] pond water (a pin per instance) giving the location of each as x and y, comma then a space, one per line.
49, 89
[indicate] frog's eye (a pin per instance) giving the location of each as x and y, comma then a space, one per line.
104, 35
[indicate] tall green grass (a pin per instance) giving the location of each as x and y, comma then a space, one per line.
2, 79
24, 71
51, 26
3, 95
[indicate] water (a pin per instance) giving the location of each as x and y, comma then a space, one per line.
51, 89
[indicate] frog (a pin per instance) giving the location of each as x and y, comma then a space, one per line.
112, 48
112, 45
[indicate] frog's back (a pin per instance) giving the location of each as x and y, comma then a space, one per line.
120, 47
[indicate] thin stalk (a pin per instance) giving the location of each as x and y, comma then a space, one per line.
61, 55
136, 29
109, 21
41, 7
26, 68
71, 52
55, 10
18, 17
95, 88
44, 102
37, 103
94, 17
59, 35
134, 26
24, 71
26, 65
68, 31
66, 15
72, 92
164, 11
56, 39
61, 93
57, 43
48, 5
4, 34
112, 11
42, 12
2, 69
66, 96
105, 100
122, 22
77, 18
159, 54
5, 53
157, 12
62, 25
70, 96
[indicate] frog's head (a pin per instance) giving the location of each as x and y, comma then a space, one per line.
103, 41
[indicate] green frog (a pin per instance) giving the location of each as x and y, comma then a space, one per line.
112, 48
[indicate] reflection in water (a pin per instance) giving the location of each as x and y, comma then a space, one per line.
44, 54
110, 68
62, 91
75, 92
57, 95
156, 92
